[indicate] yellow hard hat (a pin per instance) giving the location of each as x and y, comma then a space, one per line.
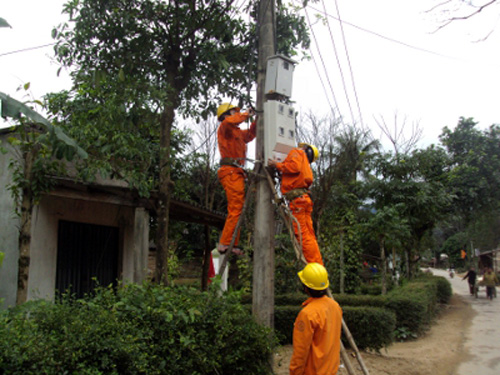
223, 108
314, 276
311, 151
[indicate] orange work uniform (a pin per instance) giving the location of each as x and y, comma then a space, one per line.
232, 144
316, 338
297, 174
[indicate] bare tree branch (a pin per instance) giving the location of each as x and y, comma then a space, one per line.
478, 9
400, 142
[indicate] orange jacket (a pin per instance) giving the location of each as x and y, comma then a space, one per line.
296, 171
316, 338
232, 140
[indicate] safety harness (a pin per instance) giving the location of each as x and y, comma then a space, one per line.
295, 193
235, 162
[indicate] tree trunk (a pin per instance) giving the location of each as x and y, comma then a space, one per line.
384, 267
25, 230
207, 251
342, 265
394, 264
206, 259
407, 260
163, 207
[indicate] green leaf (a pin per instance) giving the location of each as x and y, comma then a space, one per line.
14, 141
4, 23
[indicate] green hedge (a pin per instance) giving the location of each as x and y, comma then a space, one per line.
293, 299
444, 290
144, 329
410, 307
417, 302
371, 327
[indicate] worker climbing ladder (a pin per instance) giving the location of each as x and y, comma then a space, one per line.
289, 219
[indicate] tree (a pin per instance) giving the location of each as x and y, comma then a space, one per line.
475, 167
162, 57
387, 226
416, 182
345, 152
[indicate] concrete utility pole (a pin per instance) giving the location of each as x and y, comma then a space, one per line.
263, 269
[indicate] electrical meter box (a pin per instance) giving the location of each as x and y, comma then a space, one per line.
279, 75
279, 139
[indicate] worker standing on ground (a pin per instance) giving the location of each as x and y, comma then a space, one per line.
232, 148
317, 329
296, 178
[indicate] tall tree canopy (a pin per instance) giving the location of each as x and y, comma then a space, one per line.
157, 58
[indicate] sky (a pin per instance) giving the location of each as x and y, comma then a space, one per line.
386, 60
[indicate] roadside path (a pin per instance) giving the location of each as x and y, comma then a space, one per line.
482, 339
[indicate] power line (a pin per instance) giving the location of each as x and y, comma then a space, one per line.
339, 66
26, 49
383, 36
323, 63
348, 61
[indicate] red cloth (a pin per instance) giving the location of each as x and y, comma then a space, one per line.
211, 269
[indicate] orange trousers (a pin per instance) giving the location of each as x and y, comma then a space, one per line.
233, 182
301, 208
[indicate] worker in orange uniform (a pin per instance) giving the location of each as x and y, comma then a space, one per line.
233, 148
317, 328
296, 178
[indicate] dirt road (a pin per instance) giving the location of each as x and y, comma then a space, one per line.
481, 342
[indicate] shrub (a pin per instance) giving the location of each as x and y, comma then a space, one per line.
140, 329
284, 317
406, 311
371, 327
373, 290
416, 303
444, 290
296, 299
360, 300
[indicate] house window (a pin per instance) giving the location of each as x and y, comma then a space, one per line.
87, 255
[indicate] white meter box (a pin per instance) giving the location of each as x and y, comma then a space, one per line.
279, 124
279, 75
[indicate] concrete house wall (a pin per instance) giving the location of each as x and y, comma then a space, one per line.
9, 224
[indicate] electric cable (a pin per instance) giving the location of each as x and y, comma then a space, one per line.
26, 49
339, 66
323, 63
348, 60
383, 36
